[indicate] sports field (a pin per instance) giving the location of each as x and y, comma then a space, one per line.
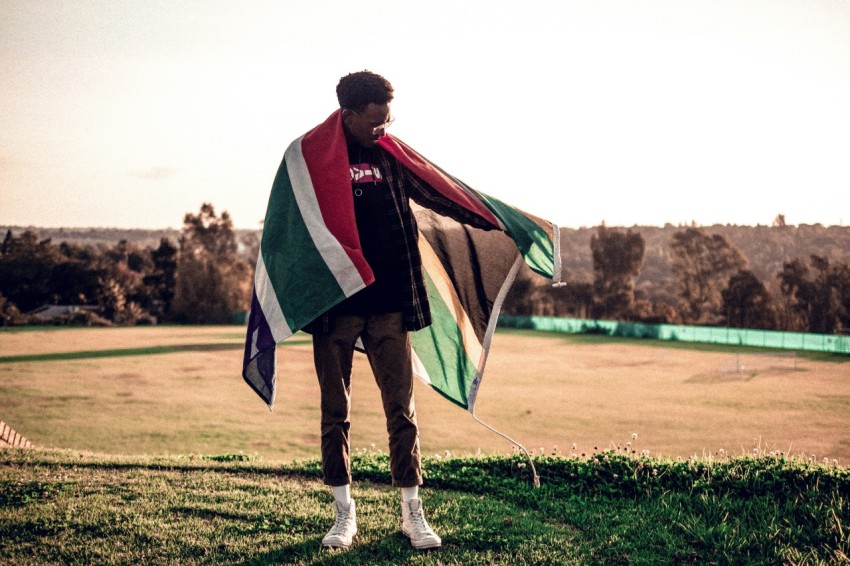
178, 390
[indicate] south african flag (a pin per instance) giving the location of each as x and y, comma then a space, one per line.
310, 260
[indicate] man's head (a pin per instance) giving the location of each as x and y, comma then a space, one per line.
365, 98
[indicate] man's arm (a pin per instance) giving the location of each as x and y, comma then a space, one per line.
424, 195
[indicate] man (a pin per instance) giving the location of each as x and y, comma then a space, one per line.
381, 314
340, 257
375, 313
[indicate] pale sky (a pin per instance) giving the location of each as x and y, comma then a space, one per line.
133, 113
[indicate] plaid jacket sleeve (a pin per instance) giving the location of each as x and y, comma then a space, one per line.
424, 195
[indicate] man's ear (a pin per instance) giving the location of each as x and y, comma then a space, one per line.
346, 116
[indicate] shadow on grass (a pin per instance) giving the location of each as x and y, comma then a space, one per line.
389, 549
124, 352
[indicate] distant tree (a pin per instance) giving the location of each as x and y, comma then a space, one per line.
779, 221
819, 299
75, 282
823, 316
162, 278
577, 299
213, 281
703, 264
747, 303
617, 257
519, 301
9, 312
841, 279
26, 270
798, 292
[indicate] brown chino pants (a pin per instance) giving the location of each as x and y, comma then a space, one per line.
388, 350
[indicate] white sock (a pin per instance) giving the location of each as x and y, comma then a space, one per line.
408, 493
342, 493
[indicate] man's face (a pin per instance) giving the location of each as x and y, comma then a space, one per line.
368, 126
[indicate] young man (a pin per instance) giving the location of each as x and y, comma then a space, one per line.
381, 314
340, 257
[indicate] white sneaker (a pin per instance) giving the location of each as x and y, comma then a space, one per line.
344, 529
415, 527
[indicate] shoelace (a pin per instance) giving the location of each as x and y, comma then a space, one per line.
417, 520
339, 524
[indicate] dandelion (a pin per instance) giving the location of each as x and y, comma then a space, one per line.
634, 436
654, 472
678, 458
616, 476
644, 452
574, 446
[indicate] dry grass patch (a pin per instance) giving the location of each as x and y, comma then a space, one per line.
177, 390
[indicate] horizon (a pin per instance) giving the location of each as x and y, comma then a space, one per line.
632, 114
583, 227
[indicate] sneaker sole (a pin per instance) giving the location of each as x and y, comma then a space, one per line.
426, 546
340, 545
422, 545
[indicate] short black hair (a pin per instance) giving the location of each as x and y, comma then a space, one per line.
355, 91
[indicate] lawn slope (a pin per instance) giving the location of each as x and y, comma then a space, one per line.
75, 507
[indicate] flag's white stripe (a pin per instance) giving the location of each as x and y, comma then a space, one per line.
331, 250
556, 253
269, 304
491, 328
431, 263
419, 368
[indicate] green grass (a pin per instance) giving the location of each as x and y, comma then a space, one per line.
225, 481
74, 508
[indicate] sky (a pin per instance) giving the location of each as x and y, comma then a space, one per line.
629, 112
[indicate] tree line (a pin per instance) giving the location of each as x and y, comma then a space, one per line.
202, 278
680, 275
710, 282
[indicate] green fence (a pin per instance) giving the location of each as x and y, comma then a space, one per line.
708, 334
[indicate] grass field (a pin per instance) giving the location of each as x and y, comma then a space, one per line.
71, 507
178, 390
152, 450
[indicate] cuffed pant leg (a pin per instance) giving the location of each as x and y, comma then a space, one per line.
333, 352
388, 348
